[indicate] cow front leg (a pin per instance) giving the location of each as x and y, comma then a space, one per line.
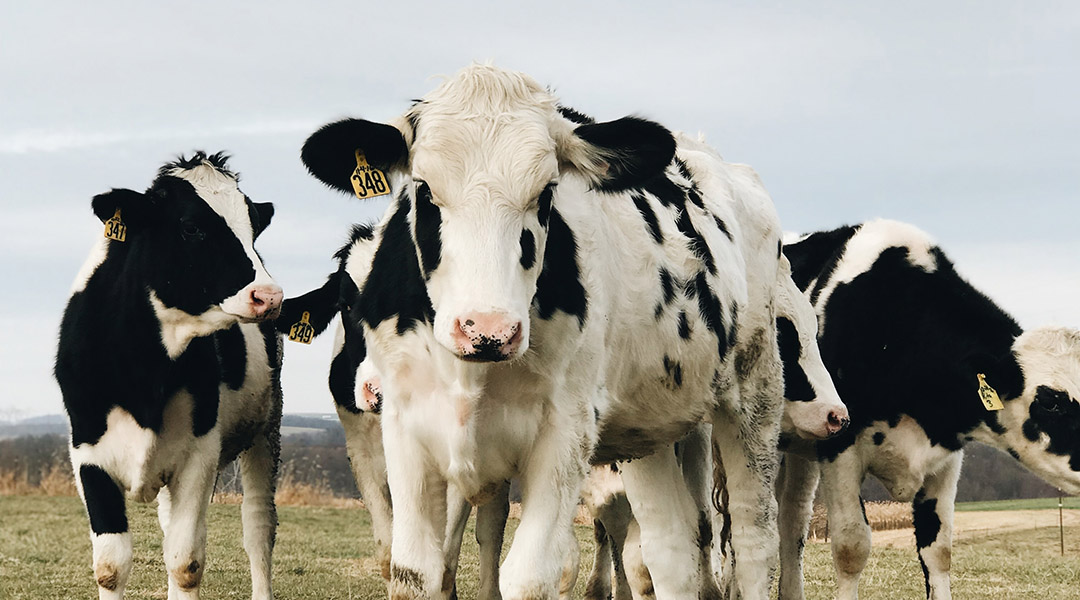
932, 511
695, 455
109, 535
746, 440
841, 480
490, 530
258, 471
795, 494
631, 571
668, 518
184, 546
570, 568
457, 518
598, 584
363, 440
550, 488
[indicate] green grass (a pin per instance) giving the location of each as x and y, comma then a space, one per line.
1030, 504
325, 553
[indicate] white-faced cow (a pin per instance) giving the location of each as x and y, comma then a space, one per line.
169, 368
915, 351
550, 291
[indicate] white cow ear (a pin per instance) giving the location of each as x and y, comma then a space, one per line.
617, 155
330, 153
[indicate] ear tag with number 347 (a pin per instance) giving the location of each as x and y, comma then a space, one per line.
115, 228
367, 181
303, 331
989, 395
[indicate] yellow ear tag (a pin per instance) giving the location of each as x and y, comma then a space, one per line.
303, 331
989, 395
367, 181
115, 228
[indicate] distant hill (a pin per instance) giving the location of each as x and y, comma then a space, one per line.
58, 425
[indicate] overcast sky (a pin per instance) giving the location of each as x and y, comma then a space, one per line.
960, 117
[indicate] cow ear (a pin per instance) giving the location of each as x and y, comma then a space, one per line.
264, 212
134, 207
330, 153
320, 304
618, 155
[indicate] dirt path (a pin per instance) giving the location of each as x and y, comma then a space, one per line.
977, 524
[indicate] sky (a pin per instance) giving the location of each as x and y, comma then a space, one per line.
961, 117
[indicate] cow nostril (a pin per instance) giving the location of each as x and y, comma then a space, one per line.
469, 323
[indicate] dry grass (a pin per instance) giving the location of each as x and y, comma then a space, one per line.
882, 516
56, 480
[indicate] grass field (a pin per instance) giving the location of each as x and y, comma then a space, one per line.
325, 553
1030, 504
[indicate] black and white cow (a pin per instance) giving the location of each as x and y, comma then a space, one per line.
550, 291
907, 341
169, 368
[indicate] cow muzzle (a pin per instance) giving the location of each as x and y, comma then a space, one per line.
486, 337
264, 302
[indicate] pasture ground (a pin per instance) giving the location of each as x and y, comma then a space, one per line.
324, 553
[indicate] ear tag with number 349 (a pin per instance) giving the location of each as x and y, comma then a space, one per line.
115, 228
367, 181
303, 331
989, 395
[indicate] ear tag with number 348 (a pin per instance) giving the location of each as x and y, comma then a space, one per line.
303, 331
367, 181
989, 395
115, 228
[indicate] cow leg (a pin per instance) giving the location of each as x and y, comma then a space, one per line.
363, 440
668, 518
490, 530
746, 440
258, 471
570, 568
631, 570
695, 452
795, 487
841, 480
185, 536
109, 535
932, 511
550, 490
457, 518
598, 584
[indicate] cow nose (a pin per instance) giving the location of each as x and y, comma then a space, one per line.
372, 395
486, 337
266, 301
836, 422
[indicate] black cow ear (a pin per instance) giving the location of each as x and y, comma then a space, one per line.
264, 212
134, 207
330, 153
619, 155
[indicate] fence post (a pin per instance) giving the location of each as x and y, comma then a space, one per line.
1061, 523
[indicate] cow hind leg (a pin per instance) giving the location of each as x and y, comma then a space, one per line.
109, 535
490, 530
457, 518
668, 518
363, 440
848, 527
795, 493
598, 584
258, 470
631, 572
932, 511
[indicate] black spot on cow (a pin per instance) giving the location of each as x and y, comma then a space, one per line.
722, 226
1013, 453
394, 286
408, 578
908, 342
1056, 414
427, 228
667, 286
232, 355
636, 150
344, 365
796, 386
669, 193
647, 213
575, 116
528, 249
684, 326
559, 286
927, 522
711, 312
680, 164
695, 241
104, 501
673, 369
879, 438
704, 536
543, 204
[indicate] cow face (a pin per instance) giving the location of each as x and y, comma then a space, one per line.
191, 237
1042, 427
484, 160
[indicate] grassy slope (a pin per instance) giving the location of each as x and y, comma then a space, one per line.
1030, 504
325, 553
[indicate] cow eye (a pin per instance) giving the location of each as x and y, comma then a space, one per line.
190, 231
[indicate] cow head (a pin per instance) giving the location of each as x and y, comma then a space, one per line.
1042, 427
191, 236
812, 407
484, 159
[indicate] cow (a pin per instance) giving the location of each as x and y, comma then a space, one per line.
551, 291
169, 366
925, 363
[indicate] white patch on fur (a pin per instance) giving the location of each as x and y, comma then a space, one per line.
90, 265
178, 327
864, 248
